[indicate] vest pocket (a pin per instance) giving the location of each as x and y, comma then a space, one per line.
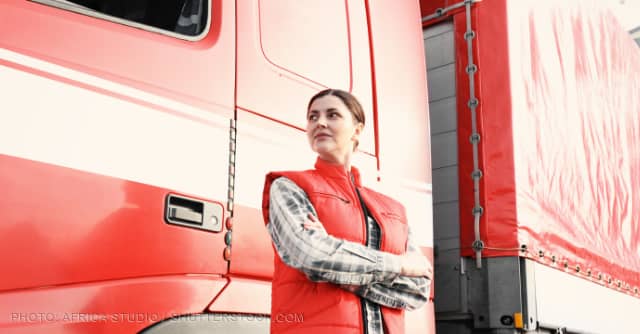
393, 216
334, 196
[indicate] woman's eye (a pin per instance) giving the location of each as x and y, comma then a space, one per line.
333, 115
313, 117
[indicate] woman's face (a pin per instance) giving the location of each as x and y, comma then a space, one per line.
331, 129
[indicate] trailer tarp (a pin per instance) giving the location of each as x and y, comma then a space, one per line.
560, 123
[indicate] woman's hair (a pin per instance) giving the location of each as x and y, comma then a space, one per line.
349, 101
347, 98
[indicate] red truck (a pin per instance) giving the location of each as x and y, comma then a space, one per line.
135, 136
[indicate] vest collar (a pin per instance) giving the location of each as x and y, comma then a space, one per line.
337, 171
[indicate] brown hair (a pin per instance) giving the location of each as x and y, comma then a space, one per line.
347, 98
350, 101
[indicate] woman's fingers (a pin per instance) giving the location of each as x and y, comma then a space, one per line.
312, 223
311, 227
416, 264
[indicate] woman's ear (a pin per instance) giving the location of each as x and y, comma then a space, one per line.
359, 128
356, 136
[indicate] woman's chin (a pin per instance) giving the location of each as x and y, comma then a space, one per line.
322, 149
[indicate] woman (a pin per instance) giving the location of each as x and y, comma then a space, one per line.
344, 264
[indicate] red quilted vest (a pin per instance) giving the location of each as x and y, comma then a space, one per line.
299, 305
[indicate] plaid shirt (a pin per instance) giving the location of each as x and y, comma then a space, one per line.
364, 270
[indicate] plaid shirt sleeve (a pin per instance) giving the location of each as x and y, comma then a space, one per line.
404, 292
323, 258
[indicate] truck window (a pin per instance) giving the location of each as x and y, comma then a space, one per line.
308, 38
174, 17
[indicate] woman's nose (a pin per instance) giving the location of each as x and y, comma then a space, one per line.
322, 121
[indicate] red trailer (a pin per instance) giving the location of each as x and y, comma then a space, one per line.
535, 122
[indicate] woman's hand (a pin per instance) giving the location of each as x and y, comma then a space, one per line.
415, 264
312, 223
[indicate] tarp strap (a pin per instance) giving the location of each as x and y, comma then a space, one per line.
472, 104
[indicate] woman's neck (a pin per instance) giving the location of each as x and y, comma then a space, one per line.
345, 163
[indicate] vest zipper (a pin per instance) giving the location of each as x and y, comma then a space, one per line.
362, 209
365, 322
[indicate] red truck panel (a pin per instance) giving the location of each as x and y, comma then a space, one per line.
63, 226
498, 226
96, 115
98, 307
138, 58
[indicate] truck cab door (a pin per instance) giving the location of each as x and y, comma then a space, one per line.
287, 52
116, 126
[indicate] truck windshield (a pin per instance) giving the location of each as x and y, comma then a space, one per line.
186, 17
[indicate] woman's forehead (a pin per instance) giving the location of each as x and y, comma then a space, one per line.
327, 102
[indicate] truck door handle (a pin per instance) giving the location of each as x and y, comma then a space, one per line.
185, 214
194, 213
